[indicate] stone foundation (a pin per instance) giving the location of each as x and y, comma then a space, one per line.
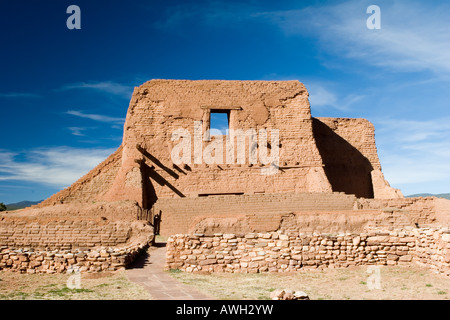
57, 261
275, 252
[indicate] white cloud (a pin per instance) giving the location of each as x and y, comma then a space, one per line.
411, 132
95, 117
106, 86
19, 95
59, 166
77, 131
415, 154
413, 36
320, 96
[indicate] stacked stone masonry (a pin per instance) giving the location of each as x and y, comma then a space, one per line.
275, 252
27, 260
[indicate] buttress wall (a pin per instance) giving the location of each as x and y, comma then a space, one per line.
349, 153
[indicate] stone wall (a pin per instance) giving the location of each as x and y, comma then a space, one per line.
56, 261
275, 252
433, 249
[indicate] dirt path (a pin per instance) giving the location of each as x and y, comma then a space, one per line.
148, 272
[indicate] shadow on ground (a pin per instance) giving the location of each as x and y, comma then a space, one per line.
143, 259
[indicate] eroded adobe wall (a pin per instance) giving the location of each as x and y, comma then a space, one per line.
247, 213
316, 155
423, 211
287, 213
117, 210
160, 107
69, 234
91, 236
66, 226
340, 221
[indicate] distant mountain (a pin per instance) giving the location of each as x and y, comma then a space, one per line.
441, 195
21, 205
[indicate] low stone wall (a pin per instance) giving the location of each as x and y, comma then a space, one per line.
433, 249
275, 252
57, 261
51, 244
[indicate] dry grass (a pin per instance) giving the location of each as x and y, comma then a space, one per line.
94, 286
331, 284
398, 283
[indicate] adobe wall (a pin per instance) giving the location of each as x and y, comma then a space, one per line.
257, 212
275, 252
160, 107
301, 212
349, 153
347, 148
316, 154
117, 211
425, 211
68, 234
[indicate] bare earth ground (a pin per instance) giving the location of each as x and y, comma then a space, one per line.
397, 283
94, 286
411, 283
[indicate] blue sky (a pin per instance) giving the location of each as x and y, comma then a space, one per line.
64, 93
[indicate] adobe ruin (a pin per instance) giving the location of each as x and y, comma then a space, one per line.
328, 175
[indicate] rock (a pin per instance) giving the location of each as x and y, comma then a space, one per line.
300, 295
392, 257
277, 294
446, 237
406, 258
288, 294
